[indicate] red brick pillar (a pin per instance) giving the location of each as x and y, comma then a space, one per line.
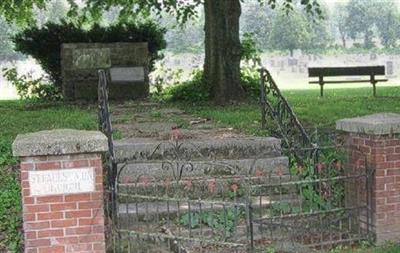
376, 140
62, 190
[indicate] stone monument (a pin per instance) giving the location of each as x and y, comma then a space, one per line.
128, 65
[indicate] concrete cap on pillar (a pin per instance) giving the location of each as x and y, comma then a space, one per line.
59, 142
375, 124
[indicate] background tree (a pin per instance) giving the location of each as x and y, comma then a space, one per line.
290, 32
388, 22
361, 19
319, 32
6, 45
339, 19
188, 37
257, 20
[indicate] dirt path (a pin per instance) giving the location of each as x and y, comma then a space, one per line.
152, 120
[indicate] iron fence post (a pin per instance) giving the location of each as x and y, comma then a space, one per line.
262, 99
251, 226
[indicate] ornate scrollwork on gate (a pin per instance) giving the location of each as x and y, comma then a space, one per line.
289, 128
178, 165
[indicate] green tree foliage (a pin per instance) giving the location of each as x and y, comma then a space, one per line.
388, 23
290, 32
55, 11
188, 37
339, 21
320, 36
361, 20
23, 12
257, 20
6, 46
369, 21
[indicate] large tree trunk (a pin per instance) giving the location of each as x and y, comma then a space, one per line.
223, 49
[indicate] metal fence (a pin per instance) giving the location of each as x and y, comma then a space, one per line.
206, 205
224, 208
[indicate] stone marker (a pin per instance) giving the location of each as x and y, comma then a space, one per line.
62, 190
69, 181
389, 68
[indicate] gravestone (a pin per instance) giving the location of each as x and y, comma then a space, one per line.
127, 62
272, 63
389, 68
292, 62
177, 62
297, 53
282, 65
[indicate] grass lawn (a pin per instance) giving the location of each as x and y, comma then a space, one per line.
19, 117
389, 247
312, 110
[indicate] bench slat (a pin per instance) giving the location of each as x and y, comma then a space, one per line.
350, 81
346, 71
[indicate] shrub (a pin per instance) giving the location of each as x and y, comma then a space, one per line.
44, 44
29, 88
251, 81
10, 205
194, 90
163, 77
250, 52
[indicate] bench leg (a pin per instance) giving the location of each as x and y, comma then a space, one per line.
374, 89
321, 90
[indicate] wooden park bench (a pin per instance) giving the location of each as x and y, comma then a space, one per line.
370, 71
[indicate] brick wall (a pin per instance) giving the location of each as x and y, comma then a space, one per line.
383, 155
374, 142
66, 222
62, 190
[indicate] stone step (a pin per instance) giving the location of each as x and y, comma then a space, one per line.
211, 168
222, 148
130, 213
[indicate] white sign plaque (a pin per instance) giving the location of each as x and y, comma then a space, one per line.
127, 74
61, 181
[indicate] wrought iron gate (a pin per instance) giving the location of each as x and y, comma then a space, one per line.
214, 207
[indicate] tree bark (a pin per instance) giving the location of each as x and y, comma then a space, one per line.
222, 50
343, 41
